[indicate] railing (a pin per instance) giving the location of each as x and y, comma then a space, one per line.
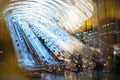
103, 52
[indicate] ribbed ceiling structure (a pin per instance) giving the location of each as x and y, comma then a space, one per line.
41, 27
66, 14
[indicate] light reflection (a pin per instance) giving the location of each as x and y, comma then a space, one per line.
70, 15
44, 26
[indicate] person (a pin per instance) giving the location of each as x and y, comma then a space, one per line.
99, 66
117, 63
79, 64
79, 67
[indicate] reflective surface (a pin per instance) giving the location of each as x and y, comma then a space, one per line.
9, 69
106, 28
40, 30
68, 15
80, 76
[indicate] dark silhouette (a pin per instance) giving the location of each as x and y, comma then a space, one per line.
117, 63
79, 64
99, 66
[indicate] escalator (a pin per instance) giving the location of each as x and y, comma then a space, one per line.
39, 37
49, 45
31, 52
103, 52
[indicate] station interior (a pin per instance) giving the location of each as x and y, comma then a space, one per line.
59, 39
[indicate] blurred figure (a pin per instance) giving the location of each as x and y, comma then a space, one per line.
117, 63
79, 64
99, 66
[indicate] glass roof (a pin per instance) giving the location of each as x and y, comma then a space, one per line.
45, 26
66, 14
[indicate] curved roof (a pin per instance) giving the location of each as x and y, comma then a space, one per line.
66, 14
